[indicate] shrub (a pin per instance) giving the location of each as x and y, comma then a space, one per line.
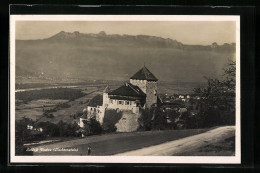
72, 130
92, 127
49, 129
156, 118
145, 120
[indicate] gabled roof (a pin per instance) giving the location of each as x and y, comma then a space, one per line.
128, 90
144, 74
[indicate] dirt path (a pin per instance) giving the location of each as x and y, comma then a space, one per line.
185, 144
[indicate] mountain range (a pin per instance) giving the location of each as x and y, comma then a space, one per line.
116, 57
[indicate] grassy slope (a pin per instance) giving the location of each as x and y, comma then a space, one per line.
118, 143
223, 148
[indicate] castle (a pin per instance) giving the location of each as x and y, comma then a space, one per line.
139, 93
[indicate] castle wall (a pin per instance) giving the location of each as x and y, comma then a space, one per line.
128, 122
105, 99
121, 104
151, 93
149, 88
140, 83
97, 112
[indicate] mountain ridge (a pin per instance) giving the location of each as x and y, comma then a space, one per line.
162, 42
116, 57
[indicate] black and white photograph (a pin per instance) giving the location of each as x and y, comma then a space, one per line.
125, 89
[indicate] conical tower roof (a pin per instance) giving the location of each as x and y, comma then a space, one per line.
144, 74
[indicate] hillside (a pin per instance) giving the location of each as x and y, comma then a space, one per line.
117, 57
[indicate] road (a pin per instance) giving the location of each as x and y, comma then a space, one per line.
186, 144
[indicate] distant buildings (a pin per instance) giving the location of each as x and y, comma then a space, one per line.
30, 127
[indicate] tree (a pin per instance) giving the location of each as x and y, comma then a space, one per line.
145, 120
155, 118
49, 129
62, 128
217, 104
72, 129
92, 127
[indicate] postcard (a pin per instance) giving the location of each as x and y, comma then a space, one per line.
125, 89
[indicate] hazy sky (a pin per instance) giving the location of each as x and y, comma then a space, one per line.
194, 32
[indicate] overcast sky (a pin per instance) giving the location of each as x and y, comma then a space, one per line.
203, 33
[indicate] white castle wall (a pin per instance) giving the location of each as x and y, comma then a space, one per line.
97, 112
105, 99
128, 122
122, 105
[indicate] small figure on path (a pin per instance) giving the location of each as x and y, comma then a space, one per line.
89, 150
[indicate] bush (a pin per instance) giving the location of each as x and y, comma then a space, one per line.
110, 119
72, 130
156, 118
145, 120
92, 127
49, 129
61, 129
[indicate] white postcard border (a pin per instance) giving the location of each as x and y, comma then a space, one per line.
123, 159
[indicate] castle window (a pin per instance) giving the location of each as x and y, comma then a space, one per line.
120, 102
127, 102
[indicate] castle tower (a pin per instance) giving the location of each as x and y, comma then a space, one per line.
147, 82
105, 96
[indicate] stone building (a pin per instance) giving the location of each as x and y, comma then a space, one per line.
139, 93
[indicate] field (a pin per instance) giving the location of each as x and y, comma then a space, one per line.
32, 102
110, 144
198, 142
224, 148
38, 103
34, 109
